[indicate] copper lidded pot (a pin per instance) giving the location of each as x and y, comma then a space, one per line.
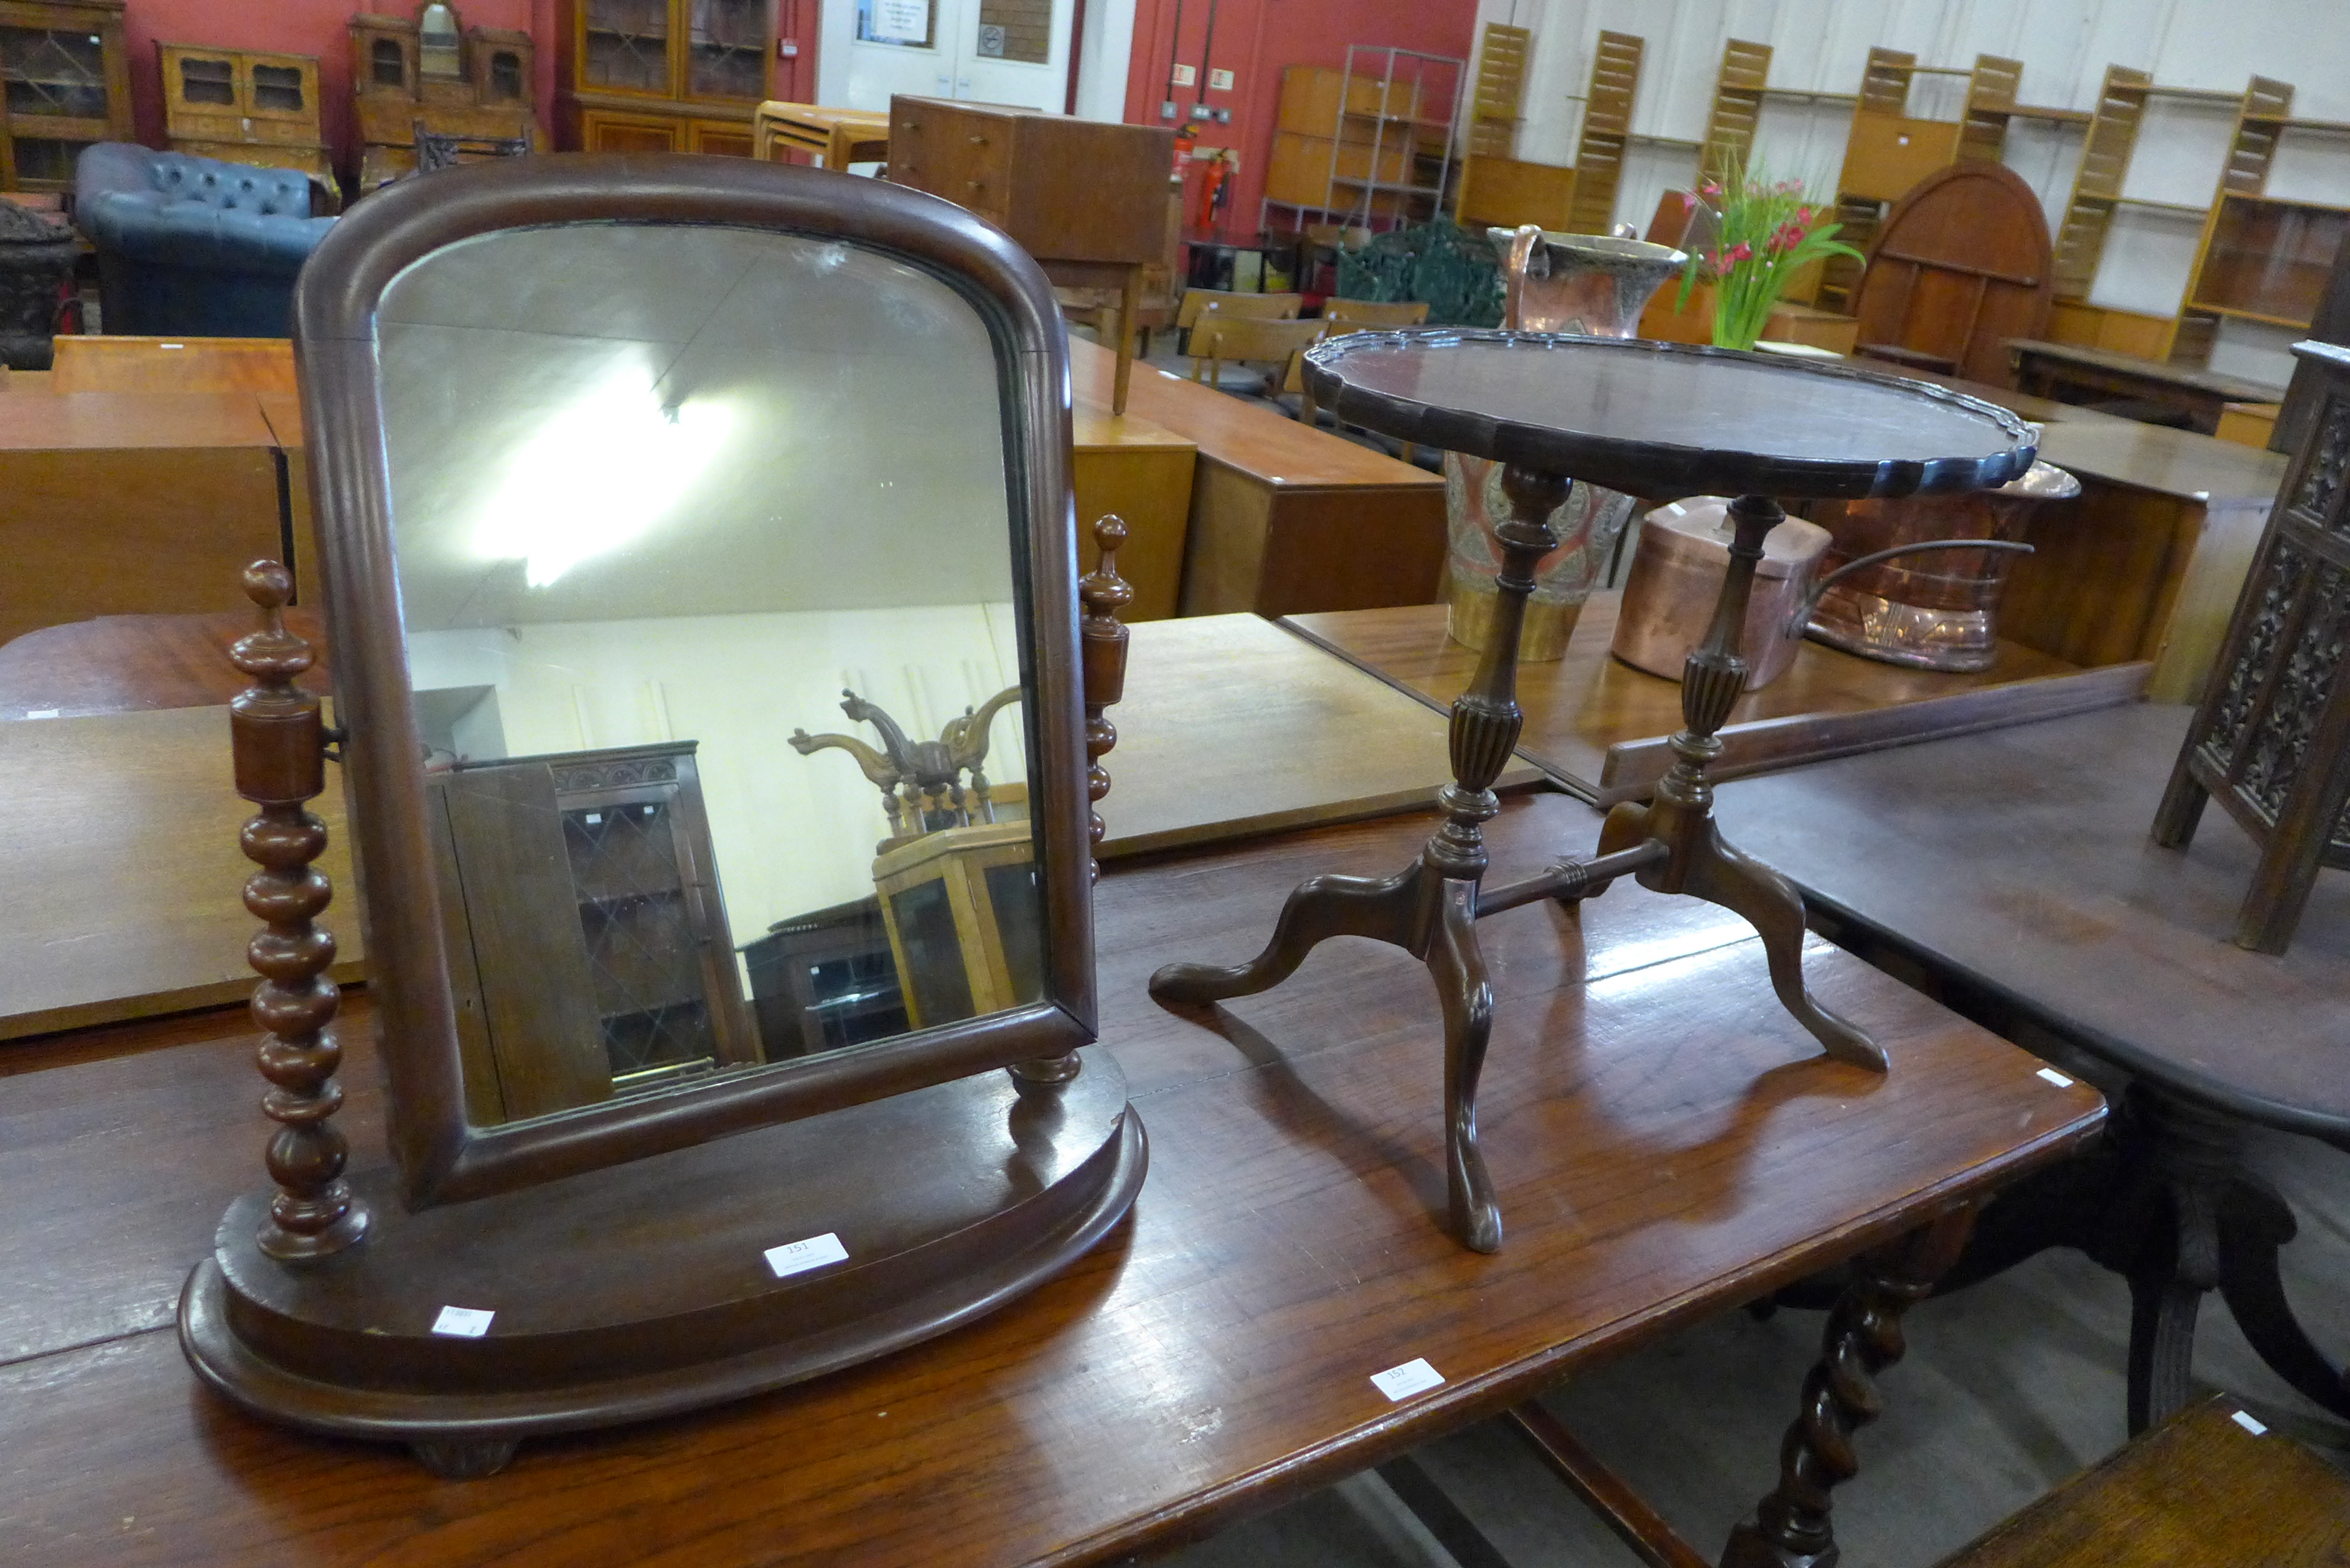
1592, 283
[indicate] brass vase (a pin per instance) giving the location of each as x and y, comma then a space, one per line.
1591, 283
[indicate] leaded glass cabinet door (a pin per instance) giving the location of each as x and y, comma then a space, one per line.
726, 48
66, 85
624, 46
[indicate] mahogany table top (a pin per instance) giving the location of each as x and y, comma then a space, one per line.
2020, 859
1664, 420
1665, 1139
1600, 727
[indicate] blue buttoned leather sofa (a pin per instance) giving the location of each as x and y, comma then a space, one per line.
191, 246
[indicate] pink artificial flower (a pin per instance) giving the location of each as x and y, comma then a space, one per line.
1803, 217
1689, 200
1740, 251
1711, 188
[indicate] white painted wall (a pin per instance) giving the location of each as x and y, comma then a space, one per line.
1103, 57
2065, 46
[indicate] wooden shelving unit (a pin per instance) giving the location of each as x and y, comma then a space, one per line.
1991, 107
1496, 188
2244, 233
1370, 145
2237, 272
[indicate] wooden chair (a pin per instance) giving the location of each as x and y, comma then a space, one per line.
1372, 315
1250, 339
1963, 264
2212, 1489
1199, 302
1340, 317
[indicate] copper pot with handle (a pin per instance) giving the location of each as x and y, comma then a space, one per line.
1592, 283
1941, 614
1676, 579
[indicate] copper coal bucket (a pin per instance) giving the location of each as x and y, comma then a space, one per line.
1591, 283
1937, 611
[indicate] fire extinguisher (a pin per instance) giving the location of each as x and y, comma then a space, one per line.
1212, 194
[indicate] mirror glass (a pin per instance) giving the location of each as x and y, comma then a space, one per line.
707, 575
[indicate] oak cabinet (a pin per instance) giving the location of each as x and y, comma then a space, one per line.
662, 76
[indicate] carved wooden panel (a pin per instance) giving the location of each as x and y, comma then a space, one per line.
2271, 739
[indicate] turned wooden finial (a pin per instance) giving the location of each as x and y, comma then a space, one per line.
278, 738
1102, 642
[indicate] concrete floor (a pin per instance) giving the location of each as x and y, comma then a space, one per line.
2009, 1388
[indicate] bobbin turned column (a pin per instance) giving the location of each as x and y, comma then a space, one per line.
1101, 647
278, 739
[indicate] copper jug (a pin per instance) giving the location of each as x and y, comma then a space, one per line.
1592, 283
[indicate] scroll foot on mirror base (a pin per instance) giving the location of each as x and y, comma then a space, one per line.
458, 1460
1431, 917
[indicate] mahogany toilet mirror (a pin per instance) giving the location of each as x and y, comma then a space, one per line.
625, 471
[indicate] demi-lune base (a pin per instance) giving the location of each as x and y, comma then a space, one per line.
646, 1289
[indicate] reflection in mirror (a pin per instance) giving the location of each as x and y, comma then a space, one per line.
660, 494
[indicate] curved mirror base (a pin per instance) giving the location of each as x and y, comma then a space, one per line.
623, 1296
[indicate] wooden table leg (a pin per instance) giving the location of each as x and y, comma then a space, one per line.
1790, 1528
1431, 908
1129, 307
1702, 864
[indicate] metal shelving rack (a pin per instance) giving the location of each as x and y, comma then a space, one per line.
1414, 84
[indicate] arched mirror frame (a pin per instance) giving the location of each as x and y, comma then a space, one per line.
442, 1156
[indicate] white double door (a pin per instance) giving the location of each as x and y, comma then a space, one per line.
1002, 51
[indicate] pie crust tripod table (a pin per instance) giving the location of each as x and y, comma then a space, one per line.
1654, 419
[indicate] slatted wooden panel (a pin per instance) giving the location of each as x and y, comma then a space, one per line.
1990, 94
1607, 123
2105, 160
1501, 86
2254, 149
1884, 91
1737, 103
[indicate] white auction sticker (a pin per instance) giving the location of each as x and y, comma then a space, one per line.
462, 1323
2245, 1420
2055, 1077
1414, 1377
799, 1257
